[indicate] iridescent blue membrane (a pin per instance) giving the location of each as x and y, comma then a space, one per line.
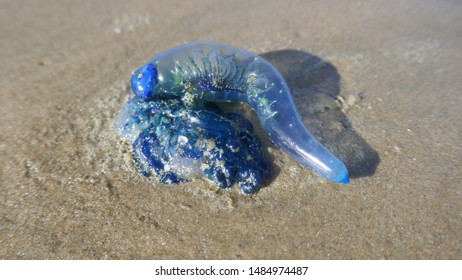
177, 137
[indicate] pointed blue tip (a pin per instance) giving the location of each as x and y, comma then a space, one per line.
345, 180
343, 176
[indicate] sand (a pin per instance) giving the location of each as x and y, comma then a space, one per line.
378, 82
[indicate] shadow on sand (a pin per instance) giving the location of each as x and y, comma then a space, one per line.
315, 86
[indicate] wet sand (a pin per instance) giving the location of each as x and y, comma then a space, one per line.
378, 82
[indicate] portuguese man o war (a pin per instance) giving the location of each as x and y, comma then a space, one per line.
178, 133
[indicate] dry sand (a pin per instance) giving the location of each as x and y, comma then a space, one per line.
379, 82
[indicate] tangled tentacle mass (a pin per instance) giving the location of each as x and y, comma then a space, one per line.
177, 144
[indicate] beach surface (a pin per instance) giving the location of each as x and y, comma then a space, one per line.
378, 82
